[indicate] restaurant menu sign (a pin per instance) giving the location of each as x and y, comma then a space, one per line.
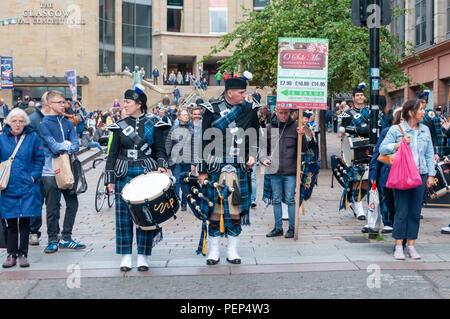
302, 73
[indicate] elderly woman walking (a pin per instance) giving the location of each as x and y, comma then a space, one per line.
408, 203
20, 200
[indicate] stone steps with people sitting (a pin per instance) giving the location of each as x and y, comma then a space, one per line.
86, 154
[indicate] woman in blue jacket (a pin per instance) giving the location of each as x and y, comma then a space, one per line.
20, 200
378, 175
408, 203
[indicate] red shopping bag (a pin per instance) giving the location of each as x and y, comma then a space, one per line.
404, 173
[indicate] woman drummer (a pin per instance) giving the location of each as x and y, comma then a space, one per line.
133, 151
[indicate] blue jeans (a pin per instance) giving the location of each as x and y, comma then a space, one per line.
408, 206
253, 197
176, 171
283, 187
97, 145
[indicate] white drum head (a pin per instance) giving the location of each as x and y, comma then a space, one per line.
346, 150
144, 187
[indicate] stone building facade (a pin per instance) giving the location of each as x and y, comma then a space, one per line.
99, 38
427, 26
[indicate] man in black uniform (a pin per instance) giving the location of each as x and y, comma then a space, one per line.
356, 123
228, 158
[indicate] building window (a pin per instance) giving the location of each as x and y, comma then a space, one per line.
448, 18
136, 25
175, 15
420, 22
106, 35
137, 34
218, 16
106, 61
259, 5
398, 25
218, 20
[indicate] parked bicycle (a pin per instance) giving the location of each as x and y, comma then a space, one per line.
101, 194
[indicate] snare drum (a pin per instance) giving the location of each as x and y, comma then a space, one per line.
441, 184
355, 150
151, 200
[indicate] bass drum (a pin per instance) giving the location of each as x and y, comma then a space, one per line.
355, 150
151, 200
441, 184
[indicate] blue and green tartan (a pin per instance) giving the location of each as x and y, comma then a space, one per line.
354, 175
383, 121
146, 239
439, 148
365, 113
222, 122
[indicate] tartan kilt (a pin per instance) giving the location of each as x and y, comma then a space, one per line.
146, 239
245, 195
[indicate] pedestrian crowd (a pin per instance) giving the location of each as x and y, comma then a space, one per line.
425, 134
38, 132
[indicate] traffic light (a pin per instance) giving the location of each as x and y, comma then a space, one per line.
372, 13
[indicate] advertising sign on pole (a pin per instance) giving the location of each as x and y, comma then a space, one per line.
302, 80
302, 83
7, 73
72, 80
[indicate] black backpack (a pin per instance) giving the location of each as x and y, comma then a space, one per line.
80, 185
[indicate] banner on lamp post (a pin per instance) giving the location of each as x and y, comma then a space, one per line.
72, 80
7, 73
302, 79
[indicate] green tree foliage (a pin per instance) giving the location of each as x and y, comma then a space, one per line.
255, 40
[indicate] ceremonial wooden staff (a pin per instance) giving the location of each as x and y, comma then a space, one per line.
299, 173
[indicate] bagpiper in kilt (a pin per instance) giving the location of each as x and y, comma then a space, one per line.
356, 123
134, 150
229, 162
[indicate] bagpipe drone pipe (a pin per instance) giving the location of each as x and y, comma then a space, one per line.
200, 199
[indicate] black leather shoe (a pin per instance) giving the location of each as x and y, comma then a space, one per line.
365, 230
362, 217
212, 262
125, 269
275, 232
142, 268
289, 233
236, 261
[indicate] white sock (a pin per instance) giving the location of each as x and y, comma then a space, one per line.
142, 260
398, 247
126, 261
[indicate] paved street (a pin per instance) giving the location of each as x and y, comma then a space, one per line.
331, 258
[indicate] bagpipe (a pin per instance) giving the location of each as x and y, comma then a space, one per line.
200, 200
346, 176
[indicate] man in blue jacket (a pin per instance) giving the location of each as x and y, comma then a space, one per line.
59, 137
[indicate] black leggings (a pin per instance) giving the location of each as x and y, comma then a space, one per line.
17, 245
